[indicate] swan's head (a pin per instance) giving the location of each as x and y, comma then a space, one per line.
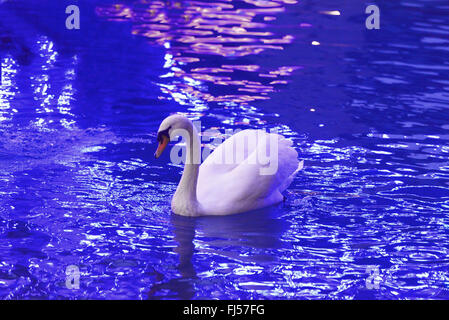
171, 127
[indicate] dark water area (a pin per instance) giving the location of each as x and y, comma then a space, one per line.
367, 110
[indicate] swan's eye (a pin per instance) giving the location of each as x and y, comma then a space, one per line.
163, 133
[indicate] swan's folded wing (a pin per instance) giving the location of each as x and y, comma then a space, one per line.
289, 164
267, 168
282, 164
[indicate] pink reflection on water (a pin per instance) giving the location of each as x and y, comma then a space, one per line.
205, 43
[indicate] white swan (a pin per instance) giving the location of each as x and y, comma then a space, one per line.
247, 171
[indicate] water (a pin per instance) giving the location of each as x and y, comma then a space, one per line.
366, 109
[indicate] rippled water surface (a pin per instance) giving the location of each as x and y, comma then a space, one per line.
367, 111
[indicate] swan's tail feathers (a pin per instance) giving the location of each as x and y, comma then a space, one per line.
292, 176
289, 180
300, 167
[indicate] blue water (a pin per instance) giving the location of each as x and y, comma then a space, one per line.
367, 111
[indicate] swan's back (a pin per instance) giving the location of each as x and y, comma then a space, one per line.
244, 173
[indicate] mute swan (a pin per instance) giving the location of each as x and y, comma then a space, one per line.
237, 176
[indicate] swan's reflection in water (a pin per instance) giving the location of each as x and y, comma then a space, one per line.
184, 234
182, 287
229, 238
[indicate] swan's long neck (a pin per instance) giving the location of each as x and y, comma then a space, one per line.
185, 200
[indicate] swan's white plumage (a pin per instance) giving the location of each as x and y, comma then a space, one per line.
239, 186
230, 179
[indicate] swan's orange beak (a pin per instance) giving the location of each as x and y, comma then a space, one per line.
163, 142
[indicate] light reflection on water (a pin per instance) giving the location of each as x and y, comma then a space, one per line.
367, 111
8, 90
